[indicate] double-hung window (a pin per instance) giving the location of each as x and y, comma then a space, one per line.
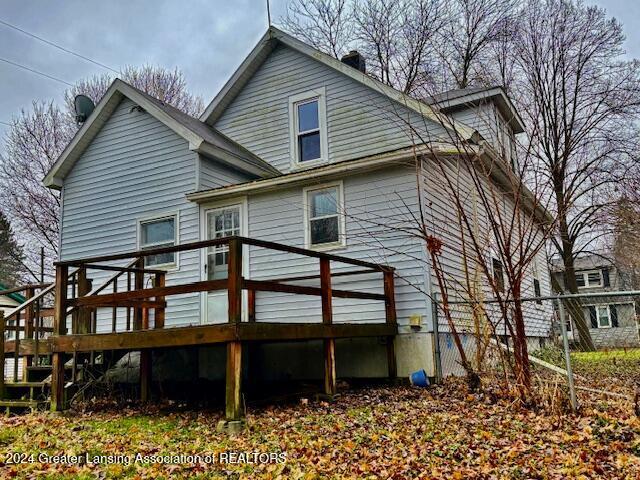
308, 128
324, 217
155, 233
589, 279
498, 274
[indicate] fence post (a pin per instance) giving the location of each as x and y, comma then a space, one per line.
159, 312
233, 396
327, 319
390, 314
59, 328
567, 356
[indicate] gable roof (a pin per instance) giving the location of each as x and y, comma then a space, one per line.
14, 296
268, 43
201, 137
460, 98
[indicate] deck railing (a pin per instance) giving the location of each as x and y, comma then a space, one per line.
75, 297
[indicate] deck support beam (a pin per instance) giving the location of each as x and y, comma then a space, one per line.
145, 375
390, 314
233, 398
59, 328
330, 382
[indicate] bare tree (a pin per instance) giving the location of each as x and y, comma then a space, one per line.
473, 27
580, 100
398, 37
323, 24
38, 136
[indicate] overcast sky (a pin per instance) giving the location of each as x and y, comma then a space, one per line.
207, 39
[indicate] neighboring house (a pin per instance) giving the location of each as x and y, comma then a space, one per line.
7, 303
297, 148
612, 320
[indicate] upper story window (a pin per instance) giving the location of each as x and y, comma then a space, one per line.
308, 123
537, 291
589, 279
498, 274
158, 232
324, 222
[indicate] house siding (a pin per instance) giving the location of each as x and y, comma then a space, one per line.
212, 174
444, 223
360, 121
136, 167
372, 201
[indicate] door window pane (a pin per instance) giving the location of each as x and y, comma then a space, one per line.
221, 223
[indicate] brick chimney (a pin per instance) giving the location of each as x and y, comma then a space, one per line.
355, 60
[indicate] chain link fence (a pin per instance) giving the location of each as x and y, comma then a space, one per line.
584, 348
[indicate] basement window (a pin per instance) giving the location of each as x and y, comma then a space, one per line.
324, 222
155, 233
308, 128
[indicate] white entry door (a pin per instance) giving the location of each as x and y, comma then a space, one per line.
220, 222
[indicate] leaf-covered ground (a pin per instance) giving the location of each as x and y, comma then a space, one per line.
397, 432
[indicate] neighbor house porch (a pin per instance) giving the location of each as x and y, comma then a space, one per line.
55, 330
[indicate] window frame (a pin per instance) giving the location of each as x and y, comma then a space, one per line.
585, 277
608, 307
299, 99
342, 236
501, 285
175, 215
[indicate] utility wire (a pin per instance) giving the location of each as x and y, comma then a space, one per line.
29, 69
59, 47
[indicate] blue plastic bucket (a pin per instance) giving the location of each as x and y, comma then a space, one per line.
419, 379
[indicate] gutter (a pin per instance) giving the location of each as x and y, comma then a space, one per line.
302, 177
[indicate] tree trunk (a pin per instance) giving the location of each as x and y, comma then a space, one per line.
570, 283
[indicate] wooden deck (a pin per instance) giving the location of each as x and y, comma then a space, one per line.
77, 300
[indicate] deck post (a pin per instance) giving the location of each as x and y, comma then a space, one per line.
84, 313
390, 315
233, 397
29, 315
327, 319
159, 312
2, 330
59, 328
138, 284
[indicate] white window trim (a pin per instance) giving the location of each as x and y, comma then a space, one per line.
161, 216
318, 93
342, 223
598, 307
585, 276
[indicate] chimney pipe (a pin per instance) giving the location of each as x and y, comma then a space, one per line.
355, 60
